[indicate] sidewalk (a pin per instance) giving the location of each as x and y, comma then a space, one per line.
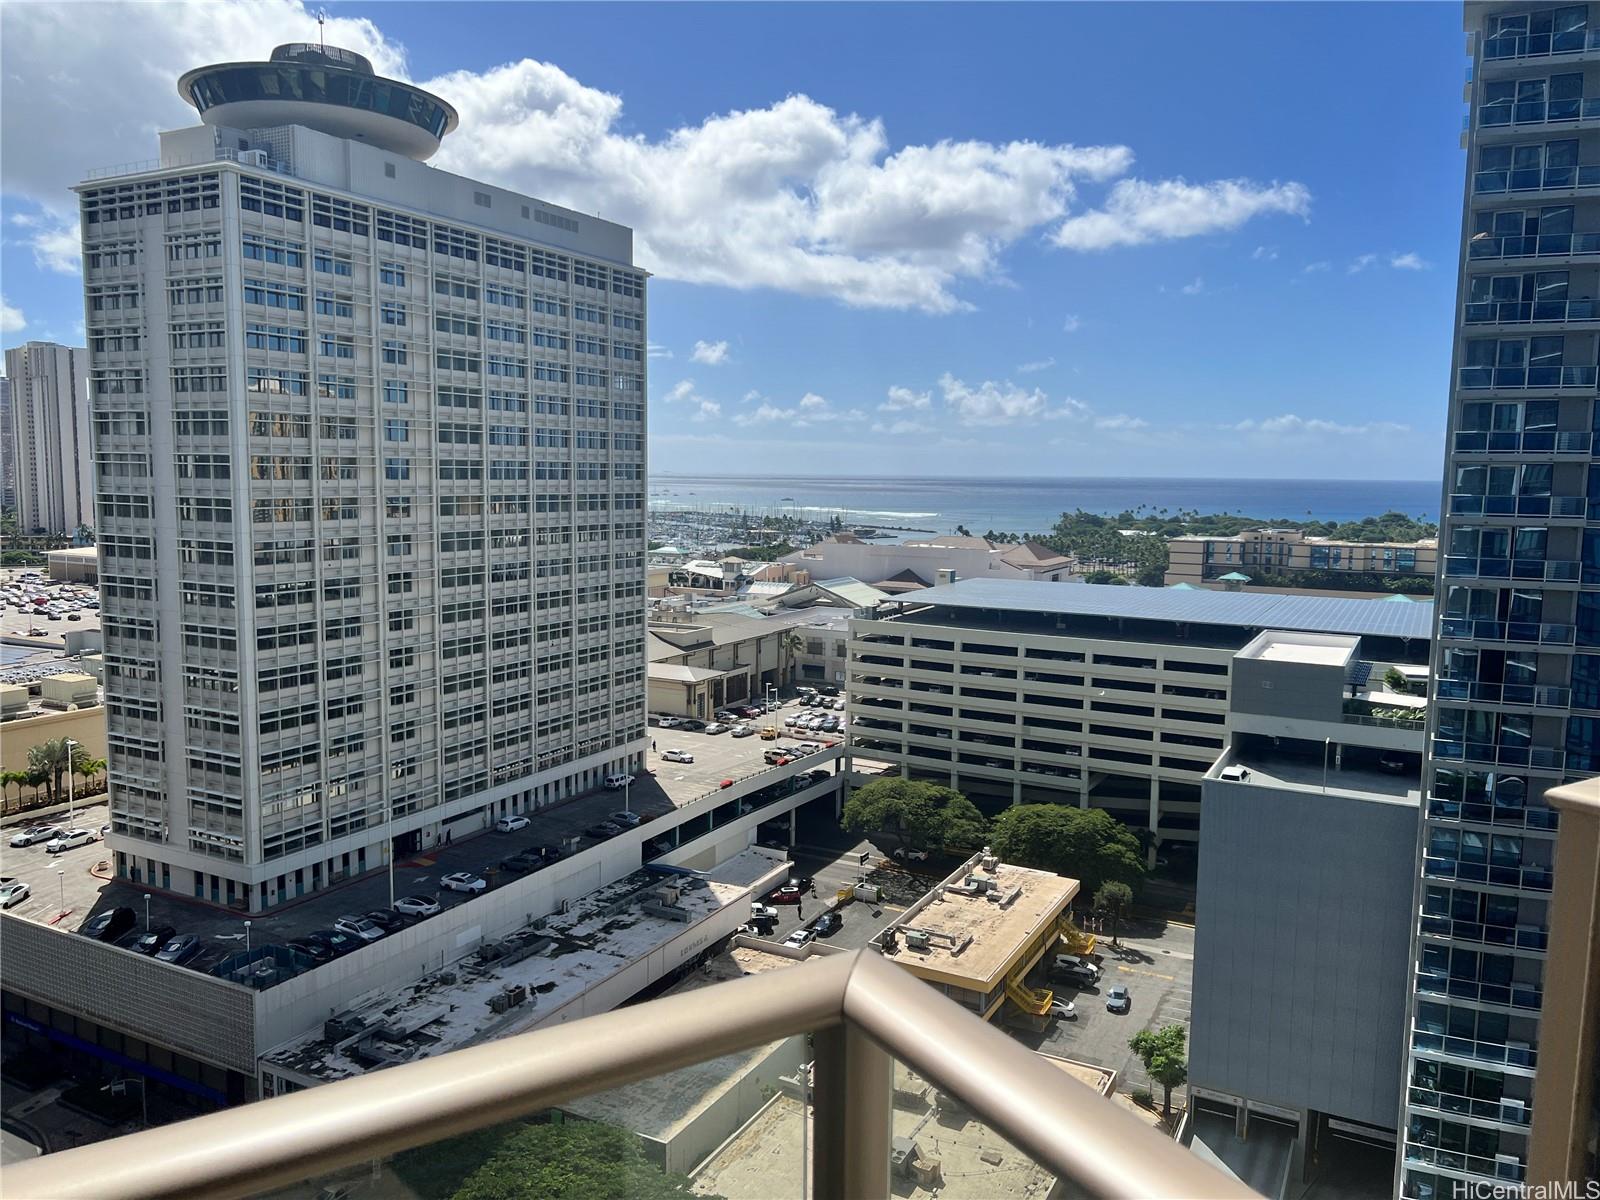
47, 814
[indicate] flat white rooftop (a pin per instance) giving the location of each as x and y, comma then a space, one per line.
1315, 649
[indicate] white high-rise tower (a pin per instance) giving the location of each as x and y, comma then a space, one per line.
370, 487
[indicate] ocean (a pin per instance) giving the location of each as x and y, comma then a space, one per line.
1033, 505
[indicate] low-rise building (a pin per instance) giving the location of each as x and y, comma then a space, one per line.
1195, 558
75, 564
1105, 697
63, 705
924, 562
977, 935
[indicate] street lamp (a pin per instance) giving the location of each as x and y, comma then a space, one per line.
627, 788
247, 937
772, 694
61, 878
71, 745
147, 912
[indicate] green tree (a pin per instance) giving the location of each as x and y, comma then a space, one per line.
923, 815
53, 760
1104, 576
13, 779
791, 644
576, 1160
1086, 844
1113, 900
1162, 1053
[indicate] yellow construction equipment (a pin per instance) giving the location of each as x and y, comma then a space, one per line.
1026, 998
1077, 941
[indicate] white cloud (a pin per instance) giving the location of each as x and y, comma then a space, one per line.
656, 350
680, 391
1360, 263
1195, 288
901, 427
1313, 267
1042, 364
707, 410
1264, 253
1137, 211
11, 318
811, 409
994, 403
1121, 422
54, 241
1409, 261
1291, 425
712, 354
1072, 324
792, 195
902, 399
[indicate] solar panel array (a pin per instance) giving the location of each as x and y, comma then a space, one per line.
1248, 610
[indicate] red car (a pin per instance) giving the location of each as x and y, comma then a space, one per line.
787, 894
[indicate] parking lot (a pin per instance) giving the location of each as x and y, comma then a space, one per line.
18, 587
1156, 964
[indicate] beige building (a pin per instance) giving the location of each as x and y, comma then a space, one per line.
906, 566
700, 661
1258, 552
76, 564
977, 935
59, 706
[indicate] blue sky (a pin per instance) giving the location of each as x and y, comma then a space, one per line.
938, 239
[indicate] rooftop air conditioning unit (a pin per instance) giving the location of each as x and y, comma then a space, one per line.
916, 939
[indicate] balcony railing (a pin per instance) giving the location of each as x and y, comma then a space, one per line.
1484, 813
1526, 695
1547, 570
1538, 377
1512, 1112
1538, 112
1526, 312
1532, 633
1466, 504
1521, 937
1460, 1047
1533, 878
1539, 45
1536, 179
1545, 245
860, 1009
1461, 1160
1531, 441
1511, 995
1451, 749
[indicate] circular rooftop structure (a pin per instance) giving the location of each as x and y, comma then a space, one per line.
323, 88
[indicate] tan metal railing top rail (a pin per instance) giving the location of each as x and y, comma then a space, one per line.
862, 1010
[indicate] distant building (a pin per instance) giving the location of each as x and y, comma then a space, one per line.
1260, 552
8, 448
49, 465
906, 566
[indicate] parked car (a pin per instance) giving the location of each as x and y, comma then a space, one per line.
718, 727
787, 894
775, 757
1118, 999
386, 920
743, 731
525, 863
628, 820
109, 925
763, 912
726, 714
551, 854
13, 891
1393, 762
359, 927
677, 756
463, 881
828, 924
315, 950
800, 937
670, 722
181, 949
67, 841
803, 882
152, 942
338, 942
1074, 965
618, 781
603, 831
1062, 1010
417, 906
909, 854
511, 824
692, 725
34, 834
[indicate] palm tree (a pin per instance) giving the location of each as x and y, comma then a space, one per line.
10, 778
52, 759
791, 644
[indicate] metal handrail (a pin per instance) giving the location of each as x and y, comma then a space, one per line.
862, 1008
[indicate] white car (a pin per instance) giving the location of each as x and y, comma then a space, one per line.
670, 722
416, 906
677, 756
36, 833
628, 820
1062, 1010
763, 910
463, 881
618, 781
717, 727
13, 891
67, 841
743, 731
511, 824
359, 927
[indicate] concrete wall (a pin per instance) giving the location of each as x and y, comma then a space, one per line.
725, 1115
1302, 949
1307, 691
205, 1018
86, 726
